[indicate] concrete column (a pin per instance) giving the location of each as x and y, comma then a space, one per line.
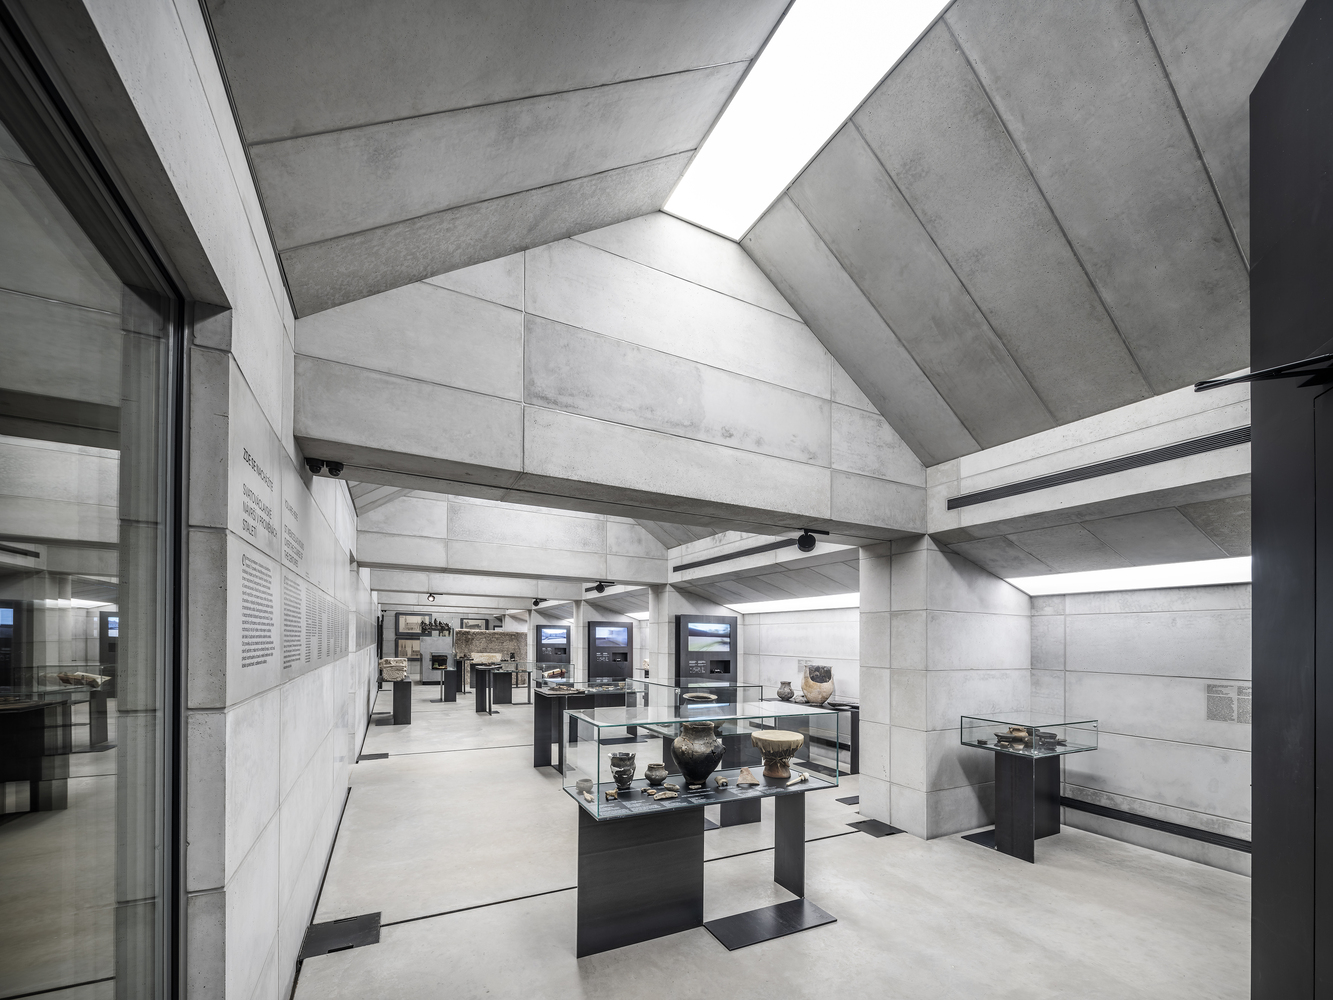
578, 642
659, 632
953, 640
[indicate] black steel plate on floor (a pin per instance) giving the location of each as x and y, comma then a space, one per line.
875, 828
372, 756
339, 935
986, 838
710, 825
851, 800
768, 922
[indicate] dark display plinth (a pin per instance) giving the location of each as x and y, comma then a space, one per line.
36, 739
548, 711
449, 684
402, 703
1027, 803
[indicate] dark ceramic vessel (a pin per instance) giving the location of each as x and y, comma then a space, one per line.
656, 774
622, 769
697, 752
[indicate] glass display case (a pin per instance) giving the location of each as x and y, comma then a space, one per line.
695, 692
543, 681
639, 760
1028, 735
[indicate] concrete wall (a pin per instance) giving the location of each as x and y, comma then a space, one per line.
940, 638
649, 365
1167, 674
776, 642
279, 621
466, 535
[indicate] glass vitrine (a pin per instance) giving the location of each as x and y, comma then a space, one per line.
767, 748
1029, 735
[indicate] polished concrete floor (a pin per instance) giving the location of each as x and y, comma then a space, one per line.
469, 853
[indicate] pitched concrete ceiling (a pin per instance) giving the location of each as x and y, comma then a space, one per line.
394, 141
815, 581
1040, 214
671, 534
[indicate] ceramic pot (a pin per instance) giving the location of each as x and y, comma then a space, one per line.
622, 769
777, 746
817, 683
785, 692
697, 751
655, 773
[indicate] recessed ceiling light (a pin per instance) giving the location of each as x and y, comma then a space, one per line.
638, 616
799, 604
1186, 574
822, 61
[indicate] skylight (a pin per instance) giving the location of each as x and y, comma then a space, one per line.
798, 604
822, 61
1185, 574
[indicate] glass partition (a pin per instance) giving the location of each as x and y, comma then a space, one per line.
1028, 735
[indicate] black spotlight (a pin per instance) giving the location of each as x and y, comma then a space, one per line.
335, 468
430, 598
806, 543
600, 586
315, 466
537, 602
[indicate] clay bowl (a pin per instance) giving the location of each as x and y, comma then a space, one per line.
699, 697
776, 746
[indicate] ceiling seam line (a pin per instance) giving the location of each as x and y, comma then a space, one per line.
887, 325
492, 104
948, 263
473, 204
245, 149
1050, 208
1194, 139
698, 284
1179, 508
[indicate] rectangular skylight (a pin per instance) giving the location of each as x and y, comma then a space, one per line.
638, 616
822, 61
798, 604
1185, 574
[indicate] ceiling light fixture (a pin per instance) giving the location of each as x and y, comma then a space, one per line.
806, 542
430, 598
600, 586
638, 616
537, 602
824, 603
819, 65
1209, 572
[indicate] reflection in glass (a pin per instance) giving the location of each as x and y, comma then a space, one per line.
82, 495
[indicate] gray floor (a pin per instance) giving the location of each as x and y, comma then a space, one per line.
469, 853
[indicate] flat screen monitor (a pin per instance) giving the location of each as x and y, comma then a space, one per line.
614, 636
554, 636
711, 637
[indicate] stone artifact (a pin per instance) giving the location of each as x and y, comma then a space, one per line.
720, 781
77, 677
655, 773
664, 795
671, 786
612, 795
697, 696
817, 683
800, 776
697, 751
784, 691
746, 777
622, 769
584, 785
393, 668
777, 746
587, 796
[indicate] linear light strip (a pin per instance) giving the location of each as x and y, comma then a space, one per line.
1208, 572
823, 603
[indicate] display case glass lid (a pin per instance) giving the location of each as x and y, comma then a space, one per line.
662, 715
1031, 734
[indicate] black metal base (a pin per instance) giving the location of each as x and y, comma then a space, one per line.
741, 813
875, 828
639, 878
985, 838
449, 685
851, 800
766, 923
339, 935
1027, 803
402, 703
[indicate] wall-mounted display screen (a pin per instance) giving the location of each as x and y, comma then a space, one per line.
554, 635
616, 636
113, 627
713, 637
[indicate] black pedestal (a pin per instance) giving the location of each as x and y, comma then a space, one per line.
480, 684
1027, 803
402, 703
789, 843
449, 685
740, 813
639, 878
97, 719
502, 688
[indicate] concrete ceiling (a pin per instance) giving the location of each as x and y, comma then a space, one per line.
671, 534
818, 581
1040, 214
399, 140
1213, 529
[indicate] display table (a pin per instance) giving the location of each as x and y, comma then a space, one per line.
494, 684
552, 698
1027, 775
641, 859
